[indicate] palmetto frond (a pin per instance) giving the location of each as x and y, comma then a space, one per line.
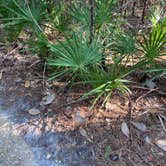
17, 15
75, 55
154, 45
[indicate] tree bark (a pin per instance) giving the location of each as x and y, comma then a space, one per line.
144, 11
133, 8
91, 2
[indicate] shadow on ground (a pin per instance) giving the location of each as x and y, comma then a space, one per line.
29, 137
53, 140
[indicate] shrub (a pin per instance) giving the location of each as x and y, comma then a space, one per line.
153, 46
17, 15
74, 56
105, 82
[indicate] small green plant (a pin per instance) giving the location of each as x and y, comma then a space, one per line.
104, 12
23, 14
123, 51
123, 44
59, 17
74, 56
154, 46
94, 48
39, 46
108, 150
81, 14
156, 16
105, 82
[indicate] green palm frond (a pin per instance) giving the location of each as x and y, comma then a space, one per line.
75, 55
38, 46
59, 17
156, 15
80, 14
104, 11
154, 45
105, 82
20, 14
123, 44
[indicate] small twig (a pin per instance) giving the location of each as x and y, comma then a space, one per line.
36, 62
158, 91
148, 109
130, 119
133, 8
162, 123
131, 109
12, 51
139, 98
163, 116
72, 102
44, 70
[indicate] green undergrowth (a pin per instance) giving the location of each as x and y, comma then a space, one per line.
103, 60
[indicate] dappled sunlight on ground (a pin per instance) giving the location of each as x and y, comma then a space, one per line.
70, 134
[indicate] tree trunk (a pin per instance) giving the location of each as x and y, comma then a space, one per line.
144, 11
133, 8
91, 2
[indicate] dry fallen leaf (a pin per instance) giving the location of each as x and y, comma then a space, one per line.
161, 144
1, 72
34, 83
140, 126
79, 119
27, 84
125, 129
34, 111
47, 99
84, 133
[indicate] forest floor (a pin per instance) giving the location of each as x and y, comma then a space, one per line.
40, 125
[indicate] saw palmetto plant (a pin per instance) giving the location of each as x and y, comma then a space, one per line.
88, 34
154, 45
18, 15
80, 14
74, 56
104, 11
106, 82
59, 17
157, 16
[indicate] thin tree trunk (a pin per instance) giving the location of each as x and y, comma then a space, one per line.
133, 8
91, 2
144, 11
125, 11
121, 4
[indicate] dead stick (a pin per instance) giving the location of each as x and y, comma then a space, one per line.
44, 70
